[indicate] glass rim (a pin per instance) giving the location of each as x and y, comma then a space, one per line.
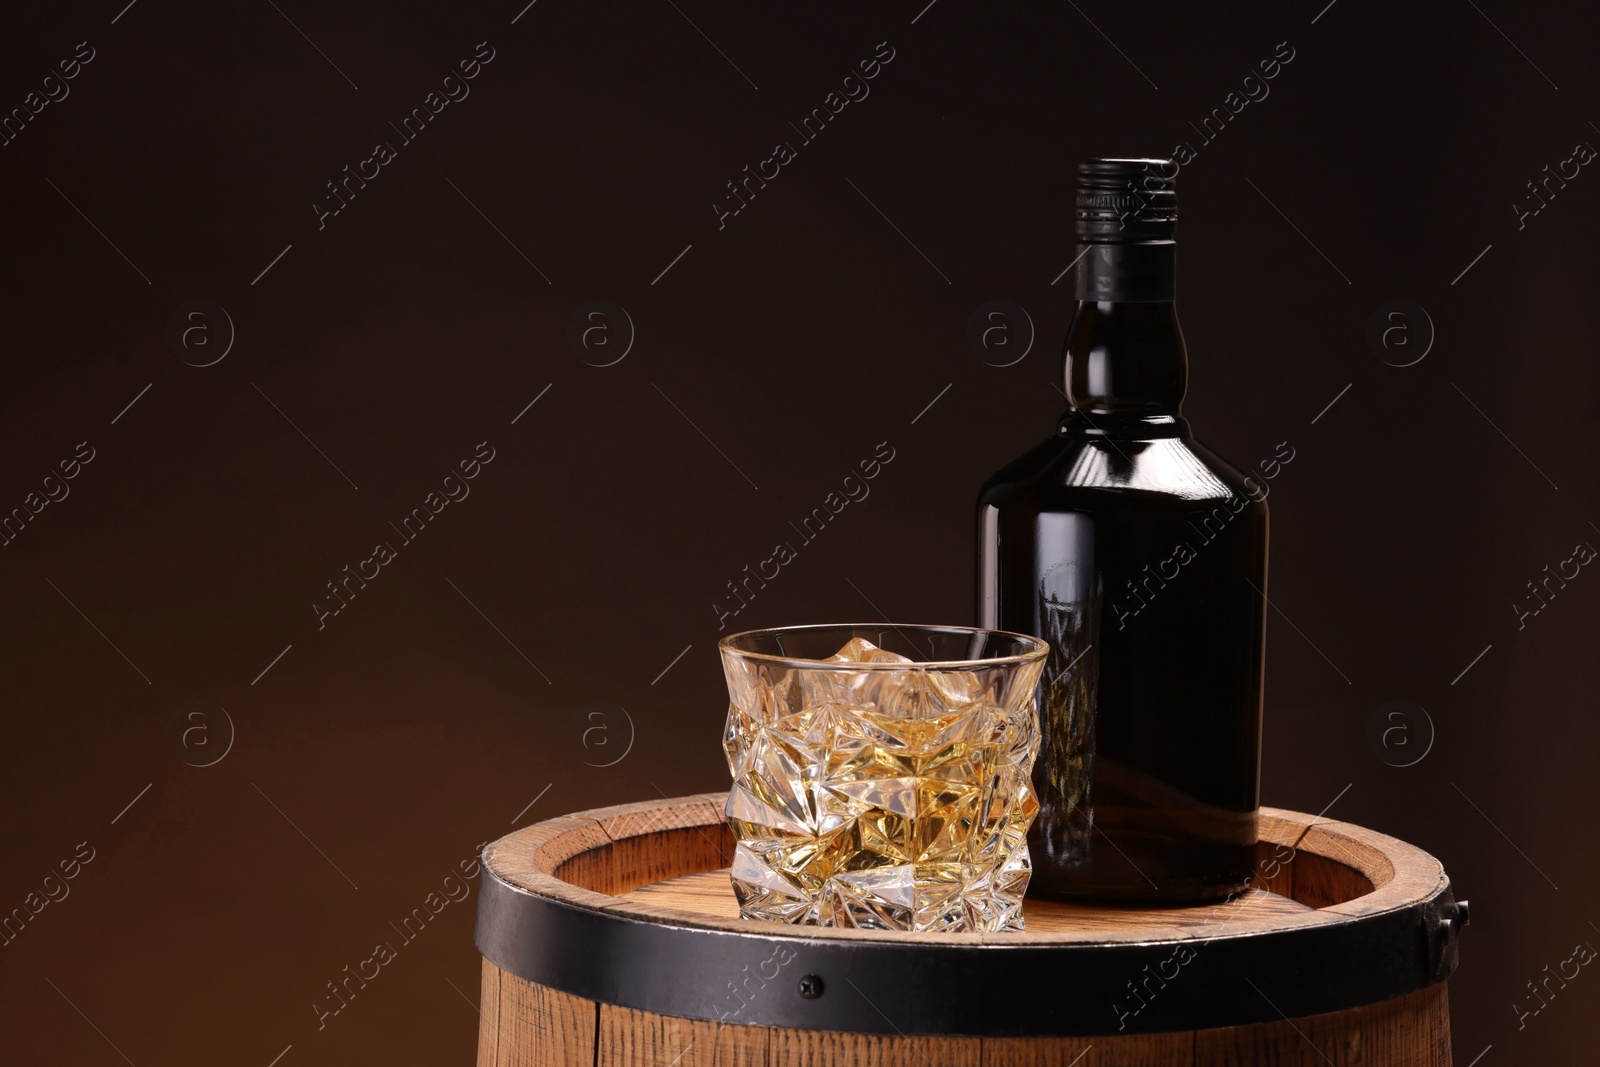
1037, 651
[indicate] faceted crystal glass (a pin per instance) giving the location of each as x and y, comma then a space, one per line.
881, 774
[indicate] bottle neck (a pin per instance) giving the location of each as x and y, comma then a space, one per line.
1124, 354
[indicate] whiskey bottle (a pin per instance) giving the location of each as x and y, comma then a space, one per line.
1141, 556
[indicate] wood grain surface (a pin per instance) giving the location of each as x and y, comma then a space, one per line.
667, 859
710, 893
526, 1025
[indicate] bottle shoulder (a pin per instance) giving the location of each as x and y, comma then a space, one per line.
1075, 466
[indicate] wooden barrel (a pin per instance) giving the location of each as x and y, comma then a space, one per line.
612, 937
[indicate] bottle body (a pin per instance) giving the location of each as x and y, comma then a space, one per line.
1141, 557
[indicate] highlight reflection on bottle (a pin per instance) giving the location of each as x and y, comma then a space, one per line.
1067, 614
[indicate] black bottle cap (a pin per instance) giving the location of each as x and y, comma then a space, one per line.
1127, 200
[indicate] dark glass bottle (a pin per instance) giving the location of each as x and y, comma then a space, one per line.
1141, 556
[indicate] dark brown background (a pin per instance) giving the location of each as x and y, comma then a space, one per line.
379, 751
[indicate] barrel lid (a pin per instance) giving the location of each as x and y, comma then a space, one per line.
629, 906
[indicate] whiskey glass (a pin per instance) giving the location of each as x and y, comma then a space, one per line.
881, 774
